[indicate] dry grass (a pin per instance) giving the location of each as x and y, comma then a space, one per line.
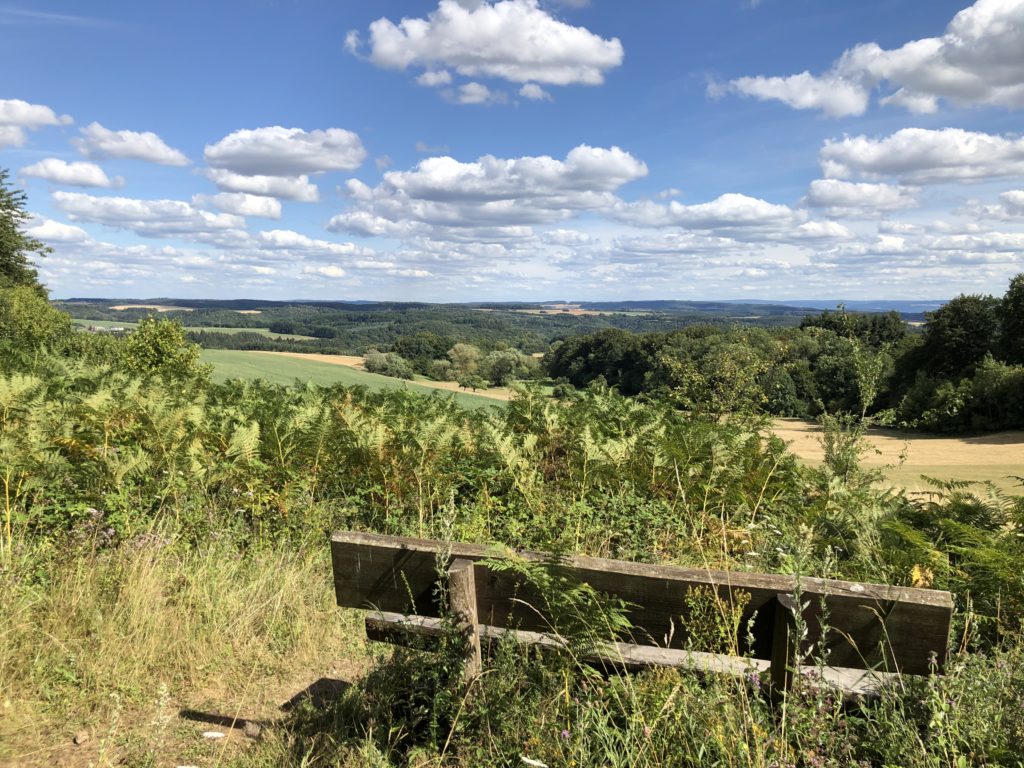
115, 645
905, 457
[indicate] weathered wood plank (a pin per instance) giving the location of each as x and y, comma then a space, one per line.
462, 598
382, 626
869, 625
783, 635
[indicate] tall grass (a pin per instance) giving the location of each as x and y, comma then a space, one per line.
110, 642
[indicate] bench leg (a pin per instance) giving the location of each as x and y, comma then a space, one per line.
462, 598
783, 636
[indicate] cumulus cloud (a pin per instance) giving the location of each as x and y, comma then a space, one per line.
534, 92
844, 198
327, 270
277, 151
17, 116
833, 94
978, 61
435, 77
56, 232
241, 204
98, 143
148, 218
490, 192
922, 156
299, 188
731, 210
514, 40
72, 174
477, 93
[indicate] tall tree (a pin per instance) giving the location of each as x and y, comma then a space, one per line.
15, 246
961, 333
1011, 321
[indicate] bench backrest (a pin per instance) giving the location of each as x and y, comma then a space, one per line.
895, 629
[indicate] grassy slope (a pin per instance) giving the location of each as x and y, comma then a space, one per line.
229, 363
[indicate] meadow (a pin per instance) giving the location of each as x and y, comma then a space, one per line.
287, 369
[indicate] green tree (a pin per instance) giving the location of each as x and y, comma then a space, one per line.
28, 322
159, 347
961, 333
1011, 322
15, 246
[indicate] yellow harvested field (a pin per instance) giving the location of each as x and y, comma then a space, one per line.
249, 311
905, 457
157, 307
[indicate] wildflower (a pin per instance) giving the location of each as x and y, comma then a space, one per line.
647, 731
565, 735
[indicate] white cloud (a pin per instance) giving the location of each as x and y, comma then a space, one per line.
148, 218
327, 270
73, 174
298, 243
31, 116
299, 188
11, 136
979, 61
98, 142
515, 40
242, 204
435, 77
844, 198
922, 156
534, 92
277, 151
17, 116
477, 93
56, 232
834, 95
503, 195
731, 210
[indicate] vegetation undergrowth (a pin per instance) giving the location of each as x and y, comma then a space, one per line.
163, 547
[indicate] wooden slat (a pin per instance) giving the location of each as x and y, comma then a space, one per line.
399, 574
462, 598
397, 628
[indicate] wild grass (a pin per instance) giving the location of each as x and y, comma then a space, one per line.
113, 643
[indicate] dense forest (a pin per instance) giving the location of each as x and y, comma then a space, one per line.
164, 542
963, 372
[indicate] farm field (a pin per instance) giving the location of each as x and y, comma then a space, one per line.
285, 369
196, 329
993, 457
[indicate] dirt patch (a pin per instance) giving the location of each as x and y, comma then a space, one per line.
249, 311
906, 456
157, 307
349, 361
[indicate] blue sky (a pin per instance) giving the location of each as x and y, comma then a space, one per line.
462, 150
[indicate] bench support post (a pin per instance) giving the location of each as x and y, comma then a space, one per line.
462, 599
783, 637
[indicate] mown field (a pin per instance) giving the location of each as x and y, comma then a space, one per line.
282, 369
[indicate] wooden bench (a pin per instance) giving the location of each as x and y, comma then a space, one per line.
867, 632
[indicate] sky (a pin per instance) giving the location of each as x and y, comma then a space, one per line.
518, 150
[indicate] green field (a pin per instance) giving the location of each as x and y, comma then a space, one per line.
236, 364
195, 329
